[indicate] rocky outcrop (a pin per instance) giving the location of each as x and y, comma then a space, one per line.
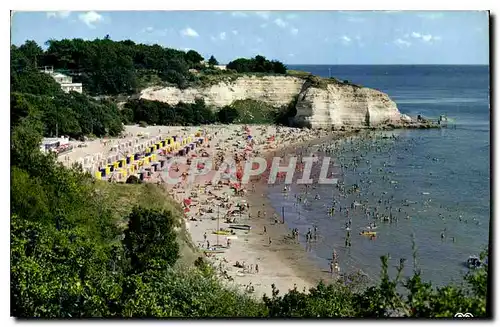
331, 104
345, 105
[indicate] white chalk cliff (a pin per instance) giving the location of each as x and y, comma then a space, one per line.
332, 104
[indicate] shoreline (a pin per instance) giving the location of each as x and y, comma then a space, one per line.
291, 252
285, 262
294, 265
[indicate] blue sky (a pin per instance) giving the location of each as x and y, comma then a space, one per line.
294, 37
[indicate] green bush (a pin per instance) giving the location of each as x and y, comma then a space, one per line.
161, 113
228, 115
212, 61
258, 64
150, 240
70, 114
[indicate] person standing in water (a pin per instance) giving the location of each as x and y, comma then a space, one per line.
334, 256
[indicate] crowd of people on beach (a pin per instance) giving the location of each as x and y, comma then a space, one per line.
212, 210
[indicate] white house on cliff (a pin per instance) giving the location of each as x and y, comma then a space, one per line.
66, 82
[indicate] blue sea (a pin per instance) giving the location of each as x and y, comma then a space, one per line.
435, 181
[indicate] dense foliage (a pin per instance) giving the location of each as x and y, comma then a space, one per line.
161, 113
39, 95
83, 248
108, 67
70, 114
259, 64
197, 113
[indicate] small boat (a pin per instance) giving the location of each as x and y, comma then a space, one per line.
368, 233
473, 262
223, 232
214, 251
240, 226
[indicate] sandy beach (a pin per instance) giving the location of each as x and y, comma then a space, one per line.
251, 259
254, 259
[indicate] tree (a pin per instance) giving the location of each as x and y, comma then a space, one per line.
193, 57
70, 114
25, 140
33, 52
32, 81
212, 61
150, 240
278, 67
58, 273
227, 115
258, 64
241, 65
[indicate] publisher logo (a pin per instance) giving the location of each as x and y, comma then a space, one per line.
463, 315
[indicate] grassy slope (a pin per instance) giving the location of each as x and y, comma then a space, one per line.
123, 197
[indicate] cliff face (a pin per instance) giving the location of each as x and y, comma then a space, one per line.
275, 90
345, 105
326, 106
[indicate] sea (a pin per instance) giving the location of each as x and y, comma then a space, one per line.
435, 181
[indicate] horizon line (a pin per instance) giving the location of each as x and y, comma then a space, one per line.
387, 64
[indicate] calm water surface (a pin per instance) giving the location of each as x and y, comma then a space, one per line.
439, 178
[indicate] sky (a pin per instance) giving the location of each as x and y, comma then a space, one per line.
293, 37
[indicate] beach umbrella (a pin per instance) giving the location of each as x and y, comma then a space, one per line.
187, 202
186, 210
